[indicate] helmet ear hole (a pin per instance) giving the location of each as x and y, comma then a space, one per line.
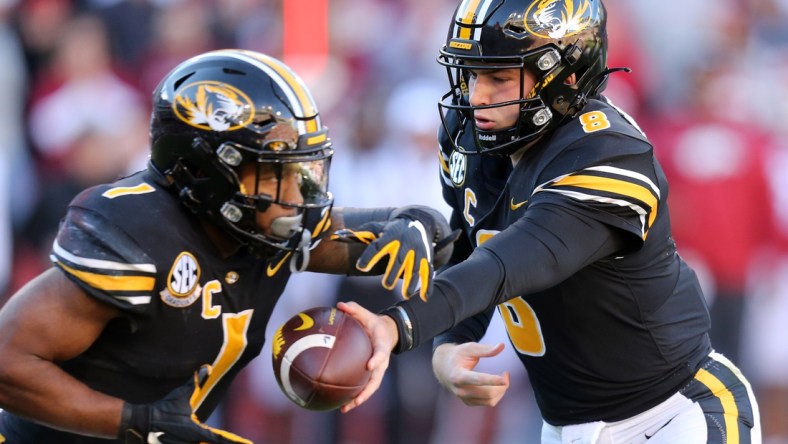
177, 83
233, 71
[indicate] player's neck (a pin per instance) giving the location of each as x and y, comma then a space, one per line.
516, 156
226, 245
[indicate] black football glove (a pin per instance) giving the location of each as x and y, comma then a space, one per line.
411, 239
171, 420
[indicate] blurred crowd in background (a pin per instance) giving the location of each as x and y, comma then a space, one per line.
709, 86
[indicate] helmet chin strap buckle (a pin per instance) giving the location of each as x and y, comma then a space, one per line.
301, 253
288, 226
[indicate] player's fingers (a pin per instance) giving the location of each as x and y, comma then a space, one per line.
348, 307
474, 349
405, 270
397, 269
485, 394
359, 313
382, 340
479, 379
425, 279
374, 254
372, 386
488, 398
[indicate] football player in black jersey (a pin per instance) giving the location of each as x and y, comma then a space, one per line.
163, 281
567, 236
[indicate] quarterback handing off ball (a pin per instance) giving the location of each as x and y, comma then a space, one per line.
320, 357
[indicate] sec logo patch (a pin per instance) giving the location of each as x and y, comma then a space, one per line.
457, 168
183, 282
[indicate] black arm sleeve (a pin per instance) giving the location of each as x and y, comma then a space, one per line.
547, 245
356, 217
469, 330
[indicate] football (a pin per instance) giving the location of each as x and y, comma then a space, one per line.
320, 357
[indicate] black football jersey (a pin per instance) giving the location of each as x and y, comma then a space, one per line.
132, 245
620, 334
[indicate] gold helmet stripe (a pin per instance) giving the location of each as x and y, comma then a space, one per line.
294, 88
471, 12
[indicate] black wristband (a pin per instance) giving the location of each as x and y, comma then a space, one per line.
134, 423
404, 328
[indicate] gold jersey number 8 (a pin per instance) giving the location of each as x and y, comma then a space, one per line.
519, 317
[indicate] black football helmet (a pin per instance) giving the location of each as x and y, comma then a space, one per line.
223, 109
551, 39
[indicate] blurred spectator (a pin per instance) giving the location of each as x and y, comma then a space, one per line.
87, 127
131, 23
82, 94
41, 24
15, 169
675, 36
765, 354
719, 195
626, 90
250, 24
180, 29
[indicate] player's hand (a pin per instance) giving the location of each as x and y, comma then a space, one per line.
171, 420
384, 336
453, 365
410, 240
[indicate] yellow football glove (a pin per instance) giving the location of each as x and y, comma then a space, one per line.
410, 240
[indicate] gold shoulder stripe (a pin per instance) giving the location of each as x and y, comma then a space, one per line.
112, 283
621, 187
142, 188
443, 164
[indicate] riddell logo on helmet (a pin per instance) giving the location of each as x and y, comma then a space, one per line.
556, 19
213, 106
460, 45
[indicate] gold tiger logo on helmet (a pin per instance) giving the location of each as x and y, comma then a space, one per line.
213, 106
556, 19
